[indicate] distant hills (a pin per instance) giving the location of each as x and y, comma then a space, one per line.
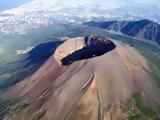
144, 29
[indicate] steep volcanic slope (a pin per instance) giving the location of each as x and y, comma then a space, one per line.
83, 82
143, 29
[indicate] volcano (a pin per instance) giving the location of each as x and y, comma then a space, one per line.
88, 78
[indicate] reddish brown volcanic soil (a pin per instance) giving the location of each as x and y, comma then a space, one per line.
85, 88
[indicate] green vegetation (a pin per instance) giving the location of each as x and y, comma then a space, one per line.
129, 108
154, 64
134, 117
16, 112
3, 107
4, 104
12, 108
158, 107
136, 109
13, 78
141, 106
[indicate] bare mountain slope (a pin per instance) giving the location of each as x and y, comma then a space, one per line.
143, 29
88, 78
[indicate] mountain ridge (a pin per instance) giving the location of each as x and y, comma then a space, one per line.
144, 29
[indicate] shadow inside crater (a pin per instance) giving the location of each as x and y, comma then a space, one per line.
93, 49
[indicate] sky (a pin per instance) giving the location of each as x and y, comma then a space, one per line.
9, 4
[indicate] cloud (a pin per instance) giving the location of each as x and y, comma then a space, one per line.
23, 51
117, 3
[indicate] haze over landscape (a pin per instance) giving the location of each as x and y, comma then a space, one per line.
79, 60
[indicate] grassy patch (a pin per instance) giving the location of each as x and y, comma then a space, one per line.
158, 107
141, 106
12, 107
134, 117
128, 106
154, 64
4, 104
12, 79
16, 112
156, 77
3, 107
